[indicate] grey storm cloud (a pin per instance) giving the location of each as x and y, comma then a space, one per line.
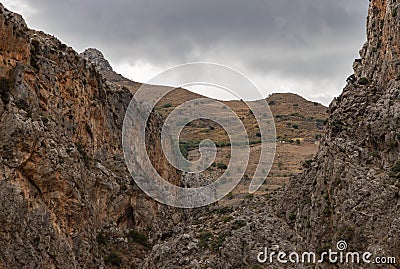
307, 42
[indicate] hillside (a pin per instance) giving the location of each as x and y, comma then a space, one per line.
299, 125
68, 201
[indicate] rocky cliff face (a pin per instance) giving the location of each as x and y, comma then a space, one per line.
68, 202
67, 199
352, 190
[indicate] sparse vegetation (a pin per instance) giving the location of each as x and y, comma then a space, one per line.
138, 237
113, 259
204, 239
227, 219
394, 12
167, 105
238, 224
363, 81
307, 163
351, 79
249, 196
292, 216
221, 166
5, 85
395, 171
101, 239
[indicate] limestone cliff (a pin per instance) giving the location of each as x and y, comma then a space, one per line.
352, 190
67, 200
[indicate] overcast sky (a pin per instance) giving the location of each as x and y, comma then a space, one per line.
300, 46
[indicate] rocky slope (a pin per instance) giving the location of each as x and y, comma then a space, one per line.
67, 200
350, 191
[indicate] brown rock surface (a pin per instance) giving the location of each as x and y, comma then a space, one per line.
63, 178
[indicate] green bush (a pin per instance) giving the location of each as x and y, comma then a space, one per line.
318, 136
396, 167
167, 105
5, 85
227, 219
395, 171
101, 239
307, 163
113, 259
258, 134
363, 81
249, 196
292, 216
221, 166
238, 224
138, 237
295, 126
351, 79
204, 239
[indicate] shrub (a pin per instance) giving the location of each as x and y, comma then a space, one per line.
167, 105
394, 12
271, 103
292, 216
225, 210
396, 167
183, 147
249, 196
318, 136
258, 134
395, 171
113, 258
363, 81
101, 239
138, 237
227, 219
221, 166
351, 79
204, 239
238, 224
307, 163
295, 126
298, 141
212, 128
5, 85
230, 196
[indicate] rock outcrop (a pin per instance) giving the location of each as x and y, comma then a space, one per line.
69, 202
67, 199
352, 190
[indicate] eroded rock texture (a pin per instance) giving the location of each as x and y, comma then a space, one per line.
66, 198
